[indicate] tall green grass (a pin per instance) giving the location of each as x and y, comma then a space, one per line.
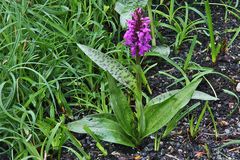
43, 75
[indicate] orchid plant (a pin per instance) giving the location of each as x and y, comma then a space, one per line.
130, 125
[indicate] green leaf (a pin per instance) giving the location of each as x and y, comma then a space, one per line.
200, 118
190, 53
231, 93
120, 107
76, 143
163, 50
126, 8
162, 97
231, 142
124, 13
31, 149
124, 17
105, 126
158, 115
63, 102
197, 95
74, 152
117, 70
170, 61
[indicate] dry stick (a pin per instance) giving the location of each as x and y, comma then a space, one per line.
235, 149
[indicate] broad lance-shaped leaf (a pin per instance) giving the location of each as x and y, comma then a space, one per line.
159, 115
120, 107
126, 8
105, 126
124, 13
116, 69
198, 95
163, 50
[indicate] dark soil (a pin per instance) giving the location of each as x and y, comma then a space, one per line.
179, 145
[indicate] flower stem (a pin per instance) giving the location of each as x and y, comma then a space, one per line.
150, 15
138, 76
139, 87
139, 106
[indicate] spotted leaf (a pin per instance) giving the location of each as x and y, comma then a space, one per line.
116, 69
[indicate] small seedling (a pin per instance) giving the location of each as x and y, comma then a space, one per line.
190, 53
215, 48
157, 141
193, 129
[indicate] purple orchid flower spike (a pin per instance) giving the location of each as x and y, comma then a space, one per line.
137, 37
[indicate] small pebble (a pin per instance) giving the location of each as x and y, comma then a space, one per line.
178, 145
231, 105
238, 87
207, 58
219, 157
180, 150
238, 124
227, 131
170, 149
223, 123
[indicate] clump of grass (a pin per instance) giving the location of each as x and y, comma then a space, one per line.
215, 48
43, 75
